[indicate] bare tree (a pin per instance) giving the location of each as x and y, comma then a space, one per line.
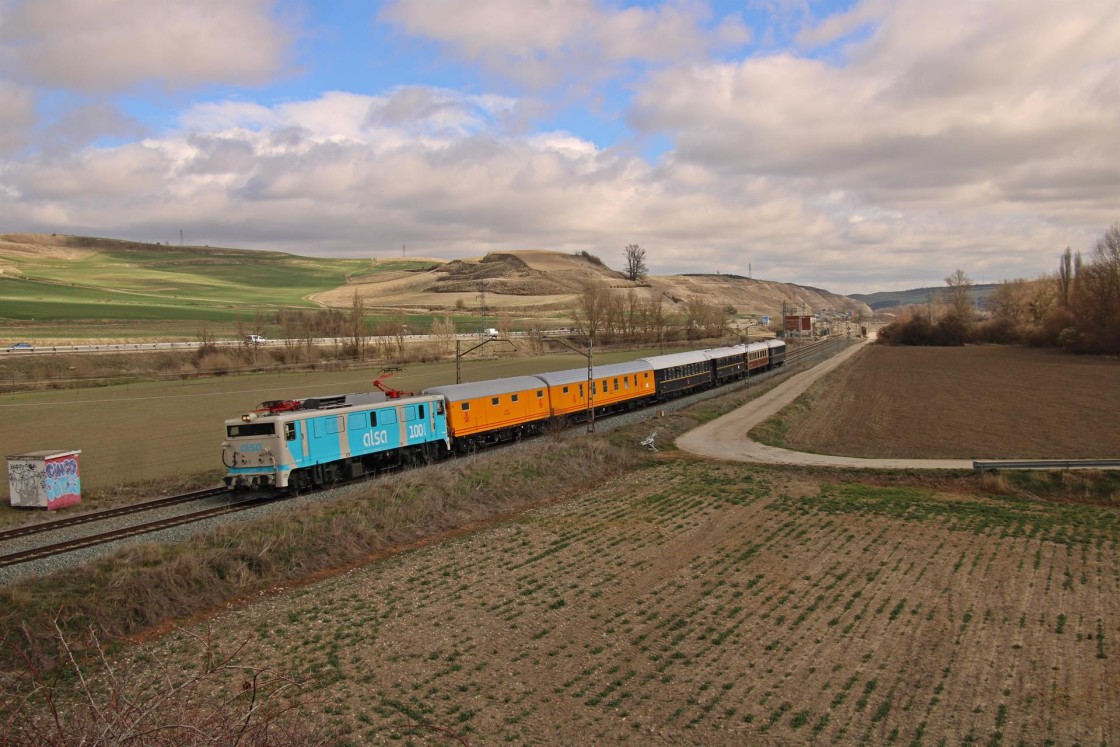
653, 317
357, 327
1065, 278
631, 313
959, 286
1097, 295
636, 268
444, 331
705, 319
590, 308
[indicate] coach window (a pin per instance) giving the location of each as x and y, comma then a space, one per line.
466, 406
494, 400
566, 390
513, 398
289, 431
540, 394
581, 390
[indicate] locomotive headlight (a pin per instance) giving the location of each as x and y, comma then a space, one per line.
248, 416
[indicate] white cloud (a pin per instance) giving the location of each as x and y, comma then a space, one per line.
542, 42
110, 45
920, 138
17, 116
974, 115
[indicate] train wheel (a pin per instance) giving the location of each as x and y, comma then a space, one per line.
297, 482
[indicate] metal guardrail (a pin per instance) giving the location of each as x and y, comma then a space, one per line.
985, 465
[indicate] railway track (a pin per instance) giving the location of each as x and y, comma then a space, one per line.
110, 513
801, 354
92, 540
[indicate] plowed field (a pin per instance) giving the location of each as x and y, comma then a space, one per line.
994, 401
699, 603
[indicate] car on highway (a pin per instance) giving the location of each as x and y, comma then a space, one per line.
255, 339
21, 346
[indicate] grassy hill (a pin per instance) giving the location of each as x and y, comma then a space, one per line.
100, 275
102, 287
79, 287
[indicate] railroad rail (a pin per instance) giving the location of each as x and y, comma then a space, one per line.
58, 548
109, 513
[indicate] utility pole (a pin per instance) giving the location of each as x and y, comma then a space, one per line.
590, 385
590, 355
481, 306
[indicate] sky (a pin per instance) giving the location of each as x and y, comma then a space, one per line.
856, 146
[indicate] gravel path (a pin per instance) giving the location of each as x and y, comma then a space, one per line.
726, 437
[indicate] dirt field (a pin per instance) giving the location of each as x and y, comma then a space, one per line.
991, 401
696, 603
700, 602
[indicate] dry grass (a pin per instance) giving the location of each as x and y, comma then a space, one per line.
147, 585
217, 700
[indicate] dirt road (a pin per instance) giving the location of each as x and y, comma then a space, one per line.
726, 437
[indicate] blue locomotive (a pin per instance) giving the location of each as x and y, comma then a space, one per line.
300, 444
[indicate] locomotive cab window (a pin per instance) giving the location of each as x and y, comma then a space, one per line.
251, 429
373, 419
289, 431
439, 407
420, 411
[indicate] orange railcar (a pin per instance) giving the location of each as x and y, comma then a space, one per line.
493, 411
613, 387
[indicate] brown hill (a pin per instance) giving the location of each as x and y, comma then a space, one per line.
535, 281
527, 282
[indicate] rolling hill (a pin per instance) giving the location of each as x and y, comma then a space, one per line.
919, 296
55, 277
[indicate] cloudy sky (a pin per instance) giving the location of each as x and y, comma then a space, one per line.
854, 145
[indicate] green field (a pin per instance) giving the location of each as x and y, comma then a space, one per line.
122, 281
